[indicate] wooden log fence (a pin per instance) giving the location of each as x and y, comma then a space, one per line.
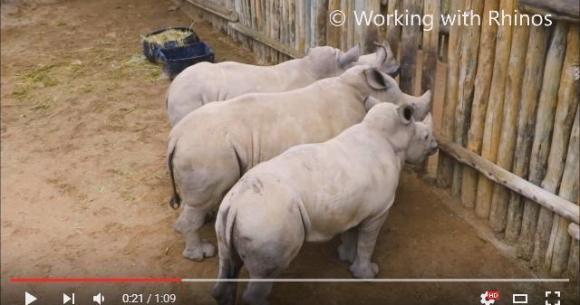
481, 96
501, 214
509, 130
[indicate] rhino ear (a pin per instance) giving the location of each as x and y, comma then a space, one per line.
382, 54
405, 113
385, 59
370, 102
375, 79
428, 121
349, 57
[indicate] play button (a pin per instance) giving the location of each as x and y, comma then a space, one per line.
28, 298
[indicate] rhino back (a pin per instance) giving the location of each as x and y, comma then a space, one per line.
307, 116
341, 182
221, 81
261, 126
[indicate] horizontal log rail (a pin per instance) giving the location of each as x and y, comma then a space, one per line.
265, 40
210, 7
567, 10
561, 206
233, 18
574, 231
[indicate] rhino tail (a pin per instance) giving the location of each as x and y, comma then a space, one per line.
230, 262
175, 200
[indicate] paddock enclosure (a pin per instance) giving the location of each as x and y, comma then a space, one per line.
507, 108
85, 187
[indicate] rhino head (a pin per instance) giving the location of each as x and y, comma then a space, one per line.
423, 142
398, 125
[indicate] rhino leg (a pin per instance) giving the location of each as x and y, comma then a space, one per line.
203, 182
189, 222
362, 267
229, 268
267, 259
267, 255
257, 293
347, 249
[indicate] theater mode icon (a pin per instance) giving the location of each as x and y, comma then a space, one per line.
520, 298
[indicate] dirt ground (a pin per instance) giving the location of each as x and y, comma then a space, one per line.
84, 186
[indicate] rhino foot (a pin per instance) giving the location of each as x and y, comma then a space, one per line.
364, 271
203, 250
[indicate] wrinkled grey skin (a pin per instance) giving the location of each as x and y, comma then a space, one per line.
212, 147
313, 192
207, 82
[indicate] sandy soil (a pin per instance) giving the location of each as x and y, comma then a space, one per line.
84, 187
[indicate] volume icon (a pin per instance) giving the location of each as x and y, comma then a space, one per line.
66, 298
99, 298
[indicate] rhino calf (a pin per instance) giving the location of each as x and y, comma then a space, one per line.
211, 148
208, 82
313, 192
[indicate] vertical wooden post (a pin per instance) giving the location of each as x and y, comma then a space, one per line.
559, 246
534, 68
285, 30
370, 34
344, 7
507, 142
292, 23
360, 32
311, 30
382, 30
559, 143
430, 46
467, 71
393, 31
333, 32
573, 259
321, 21
266, 27
301, 25
409, 46
275, 26
351, 24
494, 113
485, 68
542, 134
445, 168
565, 111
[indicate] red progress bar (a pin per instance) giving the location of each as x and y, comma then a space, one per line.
95, 280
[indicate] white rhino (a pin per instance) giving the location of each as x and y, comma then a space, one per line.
207, 82
212, 147
313, 192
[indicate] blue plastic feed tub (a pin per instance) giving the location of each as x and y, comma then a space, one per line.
177, 59
151, 47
